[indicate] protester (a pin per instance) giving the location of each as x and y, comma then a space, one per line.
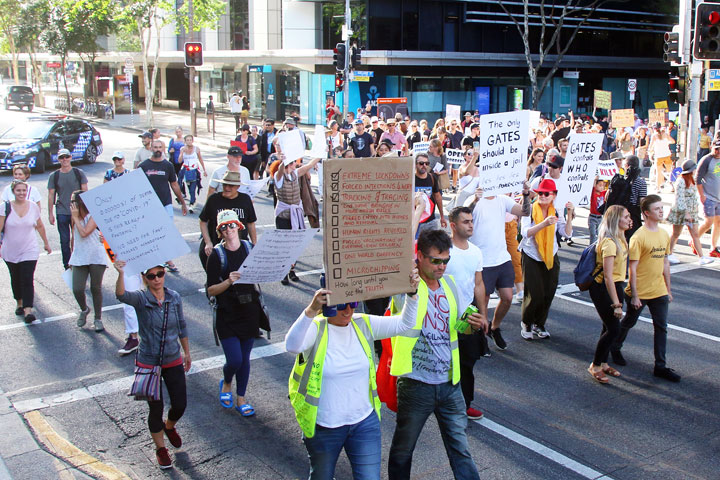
649, 271
338, 408
210, 113
61, 184
597, 199
642, 142
191, 161
238, 310
704, 142
145, 152
159, 309
428, 363
118, 170
249, 157
19, 246
414, 136
88, 259
465, 267
535, 160
659, 150
174, 147
684, 212
540, 263
21, 172
707, 179
396, 137
234, 155
235, 109
426, 183
606, 291
436, 155
362, 143
638, 191
265, 142
334, 137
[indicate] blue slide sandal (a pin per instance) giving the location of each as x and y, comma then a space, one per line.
245, 410
226, 399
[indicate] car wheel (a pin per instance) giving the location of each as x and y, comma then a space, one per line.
40, 162
90, 154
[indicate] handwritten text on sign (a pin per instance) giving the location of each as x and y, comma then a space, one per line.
606, 169
578, 173
134, 222
503, 151
274, 254
455, 156
367, 219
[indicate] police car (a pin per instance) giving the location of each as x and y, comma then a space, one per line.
36, 141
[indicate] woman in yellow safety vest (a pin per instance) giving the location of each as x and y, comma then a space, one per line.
335, 400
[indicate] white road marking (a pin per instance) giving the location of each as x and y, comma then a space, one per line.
54, 319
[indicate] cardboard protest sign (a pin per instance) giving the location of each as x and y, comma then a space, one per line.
578, 173
602, 99
292, 145
367, 220
452, 112
239, 144
134, 223
623, 118
606, 169
420, 147
276, 251
657, 115
254, 187
663, 104
503, 151
455, 156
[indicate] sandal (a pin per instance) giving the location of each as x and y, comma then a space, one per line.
599, 376
611, 371
226, 399
20, 311
245, 410
30, 318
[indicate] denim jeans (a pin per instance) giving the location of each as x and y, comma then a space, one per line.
416, 401
593, 226
63, 226
659, 311
361, 442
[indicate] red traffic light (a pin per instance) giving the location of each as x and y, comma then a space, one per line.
713, 17
673, 83
193, 54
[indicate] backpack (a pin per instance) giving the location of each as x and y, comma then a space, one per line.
584, 273
618, 193
7, 213
56, 175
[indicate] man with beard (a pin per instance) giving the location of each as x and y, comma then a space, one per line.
362, 143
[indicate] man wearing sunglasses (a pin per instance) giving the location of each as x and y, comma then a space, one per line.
427, 361
426, 183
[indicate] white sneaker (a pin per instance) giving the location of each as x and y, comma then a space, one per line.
494, 296
526, 331
705, 260
673, 259
519, 298
540, 332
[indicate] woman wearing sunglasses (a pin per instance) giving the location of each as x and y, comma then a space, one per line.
335, 400
238, 311
152, 305
540, 264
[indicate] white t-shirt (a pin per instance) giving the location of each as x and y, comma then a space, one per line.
33, 195
462, 266
431, 355
489, 232
220, 171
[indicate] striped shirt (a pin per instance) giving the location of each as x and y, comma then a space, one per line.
639, 190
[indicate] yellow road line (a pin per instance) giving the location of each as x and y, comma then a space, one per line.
69, 452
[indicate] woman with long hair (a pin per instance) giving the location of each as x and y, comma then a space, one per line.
660, 151
191, 160
625, 143
176, 144
638, 190
642, 141
440, 122
606, 291
684, 212
424, 130
536, 158
334, 137
88, 259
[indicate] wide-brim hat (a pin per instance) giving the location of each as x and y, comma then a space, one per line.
231, 178
547, 185
688, 166
617, 154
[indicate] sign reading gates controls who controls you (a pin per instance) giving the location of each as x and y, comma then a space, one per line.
503, 151
134, 223
367, 221
578, 173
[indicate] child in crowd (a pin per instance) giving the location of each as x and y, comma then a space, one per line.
596, 201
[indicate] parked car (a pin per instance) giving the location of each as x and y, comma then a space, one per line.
36, 141
19, 96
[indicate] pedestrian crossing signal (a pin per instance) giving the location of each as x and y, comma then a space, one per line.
193, 54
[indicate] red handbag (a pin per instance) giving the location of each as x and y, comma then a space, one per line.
386, 383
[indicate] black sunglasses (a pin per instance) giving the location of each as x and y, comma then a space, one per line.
64, 156
231, 226
423, 163
342, 306
153, 276
545, 194
438, 261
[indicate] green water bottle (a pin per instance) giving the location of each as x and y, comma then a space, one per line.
462, 324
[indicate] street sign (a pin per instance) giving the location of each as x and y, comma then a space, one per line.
363, 73
129, 69
128, 77
354, 77
53, 64
568, 74
129, 62
713, 85
632, 85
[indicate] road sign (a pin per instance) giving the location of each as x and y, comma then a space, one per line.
713, 85
632, 85
714, 74
53, 65
128, 77
354, 77
363, 73
129, 69
129, 62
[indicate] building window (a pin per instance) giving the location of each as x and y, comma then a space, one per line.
239, 26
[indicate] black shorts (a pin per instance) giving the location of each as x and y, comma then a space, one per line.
251, 165
499, 276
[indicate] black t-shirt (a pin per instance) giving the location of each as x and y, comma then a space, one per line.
378, 133
161, 175
242, 205
361, 145
558, 135
456, 139
429, 187
233, 318
412, 139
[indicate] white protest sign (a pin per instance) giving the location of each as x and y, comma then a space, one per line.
455, 156
254, 187
452, 112
534, 120
292, 145
606, 169
276, 251
503, 151
135, 224
319, 143
578, 173
420, 147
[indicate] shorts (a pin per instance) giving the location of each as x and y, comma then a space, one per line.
711, 208
170, 211
499, 276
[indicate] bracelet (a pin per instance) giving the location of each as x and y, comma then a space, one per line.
616, 305
412, 294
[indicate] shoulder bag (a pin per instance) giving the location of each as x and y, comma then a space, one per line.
147, 382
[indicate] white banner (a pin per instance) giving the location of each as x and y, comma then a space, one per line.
455, 156
276, 251
254, 187
420, 147
135, 224
292, 145
606, 169
503, 151
319, 143
452, 112
578, 173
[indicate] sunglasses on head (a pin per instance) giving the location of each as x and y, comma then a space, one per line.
153, 276
545, 194
438, 261
231, 226
343, 306
423, 163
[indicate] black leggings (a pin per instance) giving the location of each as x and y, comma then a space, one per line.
174, 379
21, 280
611, 324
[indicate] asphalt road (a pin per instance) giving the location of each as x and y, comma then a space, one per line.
545, 416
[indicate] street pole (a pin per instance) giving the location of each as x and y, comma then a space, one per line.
191, 75
685, 21
346, 67
696, 71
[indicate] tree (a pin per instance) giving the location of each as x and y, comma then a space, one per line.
58, 37
33, 19
8, 28
552, 20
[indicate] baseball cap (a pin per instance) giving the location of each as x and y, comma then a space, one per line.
118, 154
373, 120
64, 151
146, 135
234, 150
474, 125
358, 122
557, 161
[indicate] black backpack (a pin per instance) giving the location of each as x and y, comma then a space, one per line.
618, 193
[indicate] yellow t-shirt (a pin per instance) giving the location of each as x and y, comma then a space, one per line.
650, 249
705, 141
606, 248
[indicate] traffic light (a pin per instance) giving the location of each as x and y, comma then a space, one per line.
707, 32
339, 81
339, 57
672, 46
193, 54
355, 57
677, 85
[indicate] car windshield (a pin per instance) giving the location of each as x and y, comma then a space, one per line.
21, 90
28, 130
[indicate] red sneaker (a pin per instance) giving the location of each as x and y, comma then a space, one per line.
715, 253
474, 413
163, 458
173, 436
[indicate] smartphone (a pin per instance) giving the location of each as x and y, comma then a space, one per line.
476, 146
327, 311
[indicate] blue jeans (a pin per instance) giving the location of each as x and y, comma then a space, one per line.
63, 225
237, 362
416, 401
180, 179
192, 187
362, 447
659, 311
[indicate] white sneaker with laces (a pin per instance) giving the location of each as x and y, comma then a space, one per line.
705, 260
519, 298
673, 259
526, 331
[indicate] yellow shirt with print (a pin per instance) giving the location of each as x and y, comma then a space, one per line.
607, 248
650, 249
